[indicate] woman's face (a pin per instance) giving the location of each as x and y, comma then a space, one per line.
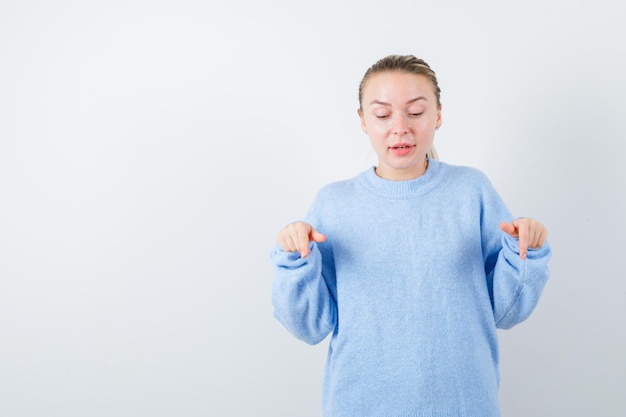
399, 113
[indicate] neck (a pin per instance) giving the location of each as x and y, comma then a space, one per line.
402, 174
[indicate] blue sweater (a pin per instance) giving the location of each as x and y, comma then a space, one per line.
412, 281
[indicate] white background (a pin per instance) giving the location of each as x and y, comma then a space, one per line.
151, 150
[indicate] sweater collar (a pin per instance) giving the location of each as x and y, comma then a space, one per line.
406, 188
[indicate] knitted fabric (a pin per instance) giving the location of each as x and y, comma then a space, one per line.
412, 282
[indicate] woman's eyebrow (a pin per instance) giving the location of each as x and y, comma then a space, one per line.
417, 99
384, 103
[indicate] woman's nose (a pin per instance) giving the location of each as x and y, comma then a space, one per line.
400, 126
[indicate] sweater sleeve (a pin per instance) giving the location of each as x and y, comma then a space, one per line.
518, 283
303, 304
514, 284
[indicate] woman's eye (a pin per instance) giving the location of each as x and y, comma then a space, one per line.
382, 116
417, 114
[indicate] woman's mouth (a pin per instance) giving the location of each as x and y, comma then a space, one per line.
401, 149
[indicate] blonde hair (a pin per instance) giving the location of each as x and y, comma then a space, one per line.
406, 63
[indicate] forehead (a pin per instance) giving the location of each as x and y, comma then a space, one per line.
399, 85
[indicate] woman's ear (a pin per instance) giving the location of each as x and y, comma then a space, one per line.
439, 120
363, 126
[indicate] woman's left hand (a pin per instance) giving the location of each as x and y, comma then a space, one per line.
531, 234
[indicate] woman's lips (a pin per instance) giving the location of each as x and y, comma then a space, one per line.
401, 149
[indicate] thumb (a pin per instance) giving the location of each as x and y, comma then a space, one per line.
317, 236
508, 228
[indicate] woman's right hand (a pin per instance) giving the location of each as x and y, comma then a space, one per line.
295, 237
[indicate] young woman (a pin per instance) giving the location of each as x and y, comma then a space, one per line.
411, 265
